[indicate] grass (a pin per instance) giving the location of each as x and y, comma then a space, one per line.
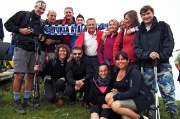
48, 110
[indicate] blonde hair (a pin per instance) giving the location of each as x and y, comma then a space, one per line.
115, 21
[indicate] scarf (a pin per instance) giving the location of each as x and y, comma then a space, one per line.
104, 82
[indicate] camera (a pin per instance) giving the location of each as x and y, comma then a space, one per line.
31, 29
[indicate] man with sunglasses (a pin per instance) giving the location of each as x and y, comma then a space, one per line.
78, 73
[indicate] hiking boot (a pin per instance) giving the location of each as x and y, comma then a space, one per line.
18, 108
171, 116
28, 103
60, 103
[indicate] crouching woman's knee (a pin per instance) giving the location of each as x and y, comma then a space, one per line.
108, 97
115, 105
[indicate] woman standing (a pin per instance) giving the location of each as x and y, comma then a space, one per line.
105, 48
127, 40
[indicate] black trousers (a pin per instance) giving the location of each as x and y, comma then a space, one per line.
52, 87
71, 92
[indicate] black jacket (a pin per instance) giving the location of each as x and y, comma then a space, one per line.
154, 40
134, 88
95, 95
54, 68
14, 23
75, 72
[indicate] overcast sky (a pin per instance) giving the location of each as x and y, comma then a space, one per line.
103, 11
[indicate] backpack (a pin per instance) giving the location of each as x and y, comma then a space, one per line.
25, 21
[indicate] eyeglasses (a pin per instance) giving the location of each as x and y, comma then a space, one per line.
76, 53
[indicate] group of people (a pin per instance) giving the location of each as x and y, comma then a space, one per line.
112, 69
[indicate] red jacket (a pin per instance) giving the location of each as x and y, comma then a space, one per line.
128, 45
79, 42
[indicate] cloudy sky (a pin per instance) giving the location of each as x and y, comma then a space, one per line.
103, 11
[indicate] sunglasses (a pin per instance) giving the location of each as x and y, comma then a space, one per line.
76, 53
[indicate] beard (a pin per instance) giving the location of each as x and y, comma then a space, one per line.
77, 59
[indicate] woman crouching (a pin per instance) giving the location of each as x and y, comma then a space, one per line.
130, 95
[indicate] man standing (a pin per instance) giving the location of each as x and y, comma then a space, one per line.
90, 41
79, 75
49, 42
154, 41
27, 31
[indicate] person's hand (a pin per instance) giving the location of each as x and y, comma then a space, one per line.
104, 106
77, 88
49, 41
25, 31
79, 83
128, 32
154, 55
105, 34
114, 90
70, 58
36, 68
62, 79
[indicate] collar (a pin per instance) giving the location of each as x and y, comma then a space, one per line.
90, 34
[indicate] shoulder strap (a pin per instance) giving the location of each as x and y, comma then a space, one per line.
162, 26
122, 36
27, 19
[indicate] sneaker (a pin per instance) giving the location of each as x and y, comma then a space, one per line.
143, 117
171, 116
18, 108
28, 103
81, 95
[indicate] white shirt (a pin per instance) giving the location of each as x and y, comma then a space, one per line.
90, 44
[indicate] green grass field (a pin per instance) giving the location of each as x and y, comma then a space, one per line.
47, 110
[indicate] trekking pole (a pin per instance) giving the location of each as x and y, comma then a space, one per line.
36, 81
156, 89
